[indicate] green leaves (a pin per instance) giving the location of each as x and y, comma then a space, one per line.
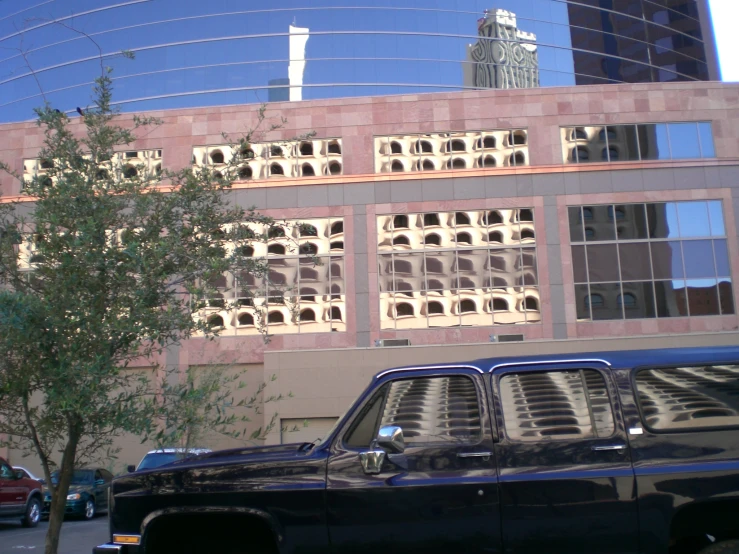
104, 266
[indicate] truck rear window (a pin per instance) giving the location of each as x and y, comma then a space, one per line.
689, 398
556, 405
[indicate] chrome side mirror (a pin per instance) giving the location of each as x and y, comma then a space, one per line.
389, 441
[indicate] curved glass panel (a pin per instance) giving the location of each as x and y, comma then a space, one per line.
192, 53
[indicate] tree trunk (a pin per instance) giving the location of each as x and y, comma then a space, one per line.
59, 493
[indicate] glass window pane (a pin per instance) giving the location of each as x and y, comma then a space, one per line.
653, 142
635, 261
599, 223
684, 140
364, 428
579, 268
638, 300
626, 142
667, 260
604, 300
528, 266
698, 255
582, 301
670, 297
663, 220
723, 264
726, 296
576, 228
706, 138
703, 297
385, 272
450, 412
693, 219
716, 212
631, 221
556, 405
690, 397
602, 263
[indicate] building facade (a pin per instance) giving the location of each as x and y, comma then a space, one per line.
564, 219
191, 53
569, 218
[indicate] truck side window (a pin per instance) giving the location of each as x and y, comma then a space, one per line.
556, 405
5, 471
364, 428
434, 409
689, 398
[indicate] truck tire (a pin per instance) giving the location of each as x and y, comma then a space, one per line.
33, 513
725, 547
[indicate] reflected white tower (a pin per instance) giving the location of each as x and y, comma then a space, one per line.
298, 39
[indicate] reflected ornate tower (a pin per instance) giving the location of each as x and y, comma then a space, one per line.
504, 57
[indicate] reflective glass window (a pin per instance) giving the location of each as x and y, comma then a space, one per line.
689, 398
684, 142
662, 263
706, 139
448, 265
556, 405
694, 220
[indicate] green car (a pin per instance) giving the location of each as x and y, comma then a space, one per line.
88, 493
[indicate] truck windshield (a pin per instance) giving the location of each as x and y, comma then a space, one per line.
157, 459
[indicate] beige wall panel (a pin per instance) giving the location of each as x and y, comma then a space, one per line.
325, 383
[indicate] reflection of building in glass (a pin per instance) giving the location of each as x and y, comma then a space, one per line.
504, 57
279, 90
306, 158
453, 269
706, 300
295, 70
302, 290
127, 164
651, 260
649, 141
582, 408
454, 150
689, 397
637, 41
291, 88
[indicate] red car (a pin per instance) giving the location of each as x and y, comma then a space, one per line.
19, 496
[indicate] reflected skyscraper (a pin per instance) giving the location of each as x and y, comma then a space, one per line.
637, 41
504, 57
296, 69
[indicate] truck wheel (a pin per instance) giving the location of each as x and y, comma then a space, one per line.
725, 547
33, 513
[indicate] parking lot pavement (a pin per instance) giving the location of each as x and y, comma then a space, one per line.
78, 537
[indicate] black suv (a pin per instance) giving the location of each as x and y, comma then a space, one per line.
609, 452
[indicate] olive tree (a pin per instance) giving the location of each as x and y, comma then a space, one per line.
101, 268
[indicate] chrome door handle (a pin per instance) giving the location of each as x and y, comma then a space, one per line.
608, 447
474, 454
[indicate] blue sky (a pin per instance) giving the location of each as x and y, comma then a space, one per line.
725, 14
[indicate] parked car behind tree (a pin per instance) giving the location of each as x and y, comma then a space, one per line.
88, 493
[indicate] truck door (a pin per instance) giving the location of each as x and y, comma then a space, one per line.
566, 478
440, 494
12, 493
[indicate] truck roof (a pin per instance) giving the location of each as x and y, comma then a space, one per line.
615, 359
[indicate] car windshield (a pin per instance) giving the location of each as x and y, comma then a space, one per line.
156, 459
80, 477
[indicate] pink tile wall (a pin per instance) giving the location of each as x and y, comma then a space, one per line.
357, 120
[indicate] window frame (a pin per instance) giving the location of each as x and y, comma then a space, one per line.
503, 436
468, 372
640, 409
